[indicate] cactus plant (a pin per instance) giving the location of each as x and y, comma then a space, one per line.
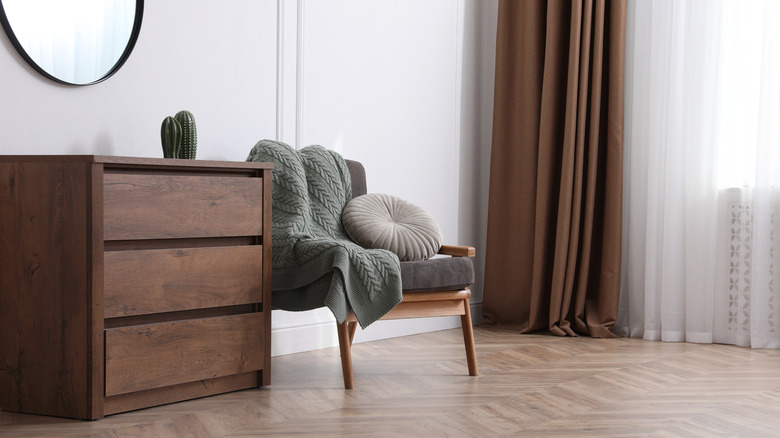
170, 134
189, 137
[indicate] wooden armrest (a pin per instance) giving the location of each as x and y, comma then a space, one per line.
457, 251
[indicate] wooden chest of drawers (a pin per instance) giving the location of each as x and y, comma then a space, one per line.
131, 282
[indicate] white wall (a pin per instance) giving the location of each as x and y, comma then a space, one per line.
406, 88
214, 61
403, 86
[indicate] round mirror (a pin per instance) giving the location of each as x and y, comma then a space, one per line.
78, 42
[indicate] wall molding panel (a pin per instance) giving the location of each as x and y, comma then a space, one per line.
287, 61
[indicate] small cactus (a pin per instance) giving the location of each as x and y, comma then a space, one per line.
170, 134
189, 135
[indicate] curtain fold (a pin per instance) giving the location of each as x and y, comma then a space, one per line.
554, 219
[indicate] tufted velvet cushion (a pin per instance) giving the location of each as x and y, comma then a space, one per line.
382, 221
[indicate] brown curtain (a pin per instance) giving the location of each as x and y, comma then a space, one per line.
554, 218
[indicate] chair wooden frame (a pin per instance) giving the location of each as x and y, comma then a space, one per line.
419, 305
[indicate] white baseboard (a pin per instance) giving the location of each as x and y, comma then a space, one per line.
296, 332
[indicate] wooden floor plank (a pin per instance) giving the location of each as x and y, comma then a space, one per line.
529, 385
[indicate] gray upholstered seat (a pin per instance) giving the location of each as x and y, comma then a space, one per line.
437, 274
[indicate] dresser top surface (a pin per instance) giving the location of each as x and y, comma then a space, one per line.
134, 161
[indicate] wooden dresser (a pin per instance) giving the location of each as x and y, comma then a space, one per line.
131, 282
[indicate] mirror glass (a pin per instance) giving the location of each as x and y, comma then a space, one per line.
77, 42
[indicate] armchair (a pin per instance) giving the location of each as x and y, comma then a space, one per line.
433, 287
316, 263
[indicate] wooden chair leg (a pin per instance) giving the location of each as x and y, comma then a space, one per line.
468, 339
352, 330
345, 345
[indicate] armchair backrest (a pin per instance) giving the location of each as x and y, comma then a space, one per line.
358, 174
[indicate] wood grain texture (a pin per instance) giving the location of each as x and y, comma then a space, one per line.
530, 385
344, 331
156, 355
44, 297
468, 339
183, 391
152, 206
425, 309
53, 265
178, 164
461, 295
115, 161
94, 269
169, 280
267, 306
458, 251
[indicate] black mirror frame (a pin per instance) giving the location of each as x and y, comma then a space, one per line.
139, 13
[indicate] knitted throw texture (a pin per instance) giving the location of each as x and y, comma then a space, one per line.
310, 189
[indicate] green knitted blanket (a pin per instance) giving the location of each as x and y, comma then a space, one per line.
311, 247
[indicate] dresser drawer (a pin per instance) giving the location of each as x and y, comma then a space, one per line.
168, 280
157, 355
154, 206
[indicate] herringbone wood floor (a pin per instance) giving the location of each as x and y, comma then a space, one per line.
530, 385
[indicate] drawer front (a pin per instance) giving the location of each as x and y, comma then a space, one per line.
150, 206
157, 355
168, 280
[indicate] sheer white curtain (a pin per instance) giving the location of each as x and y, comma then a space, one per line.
702, 146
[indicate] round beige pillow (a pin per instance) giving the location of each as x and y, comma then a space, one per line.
380, 221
